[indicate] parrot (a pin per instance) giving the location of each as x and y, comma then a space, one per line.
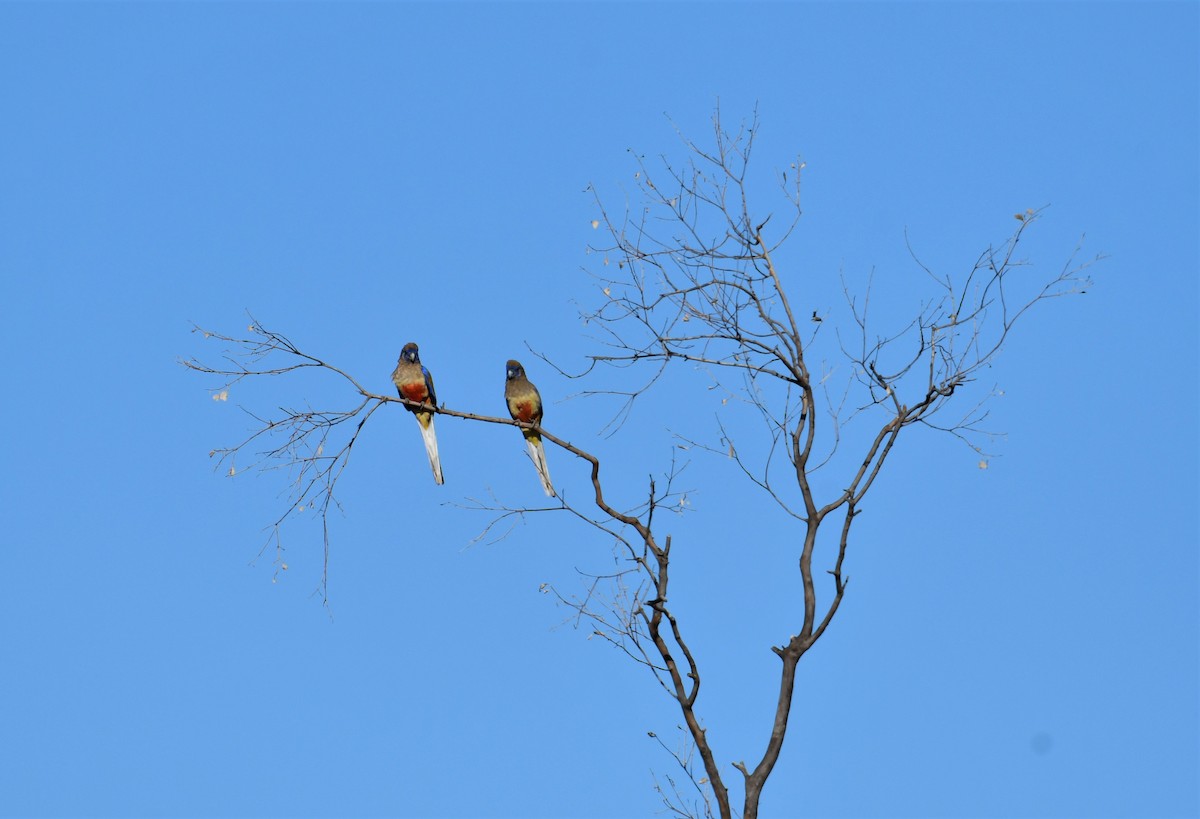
415, 383
525, 404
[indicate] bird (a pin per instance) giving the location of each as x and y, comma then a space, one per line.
415, 383
525, 405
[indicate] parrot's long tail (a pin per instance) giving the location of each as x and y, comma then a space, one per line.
430, 438
538, 453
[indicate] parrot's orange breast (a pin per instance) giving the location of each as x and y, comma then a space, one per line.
522, 411
414, 391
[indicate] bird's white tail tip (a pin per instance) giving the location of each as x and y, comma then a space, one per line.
538, 453
431, 449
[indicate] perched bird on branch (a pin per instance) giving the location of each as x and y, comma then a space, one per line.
415, 383
525, 404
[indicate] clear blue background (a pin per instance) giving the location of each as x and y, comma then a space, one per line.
1016, 641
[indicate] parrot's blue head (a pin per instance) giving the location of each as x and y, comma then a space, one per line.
515, 370
409, 353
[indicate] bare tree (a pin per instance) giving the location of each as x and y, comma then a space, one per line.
692, 276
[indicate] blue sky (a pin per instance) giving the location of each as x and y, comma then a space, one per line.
1016, 641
